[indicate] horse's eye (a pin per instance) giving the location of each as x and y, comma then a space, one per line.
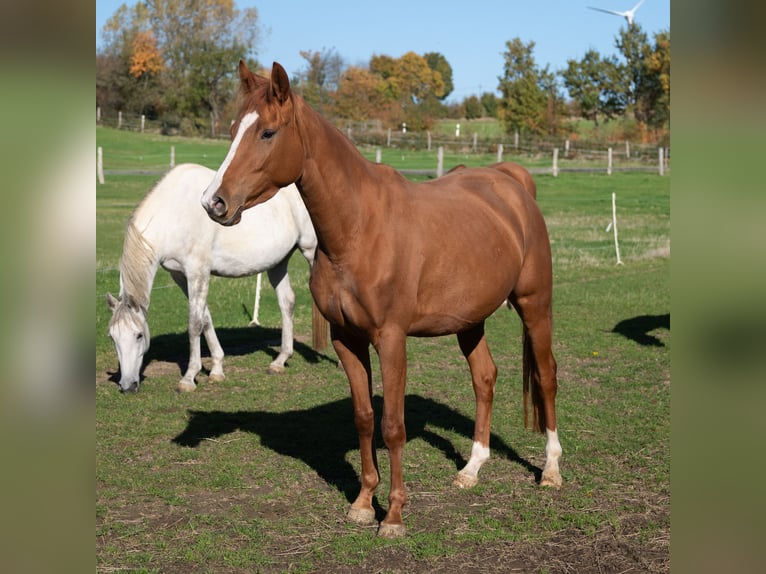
267, 134
139, 336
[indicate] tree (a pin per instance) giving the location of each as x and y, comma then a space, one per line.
438, 63
595, 85
529, 101
201, 42
361, 95
412, 84
490, 104
647, 78
321, 77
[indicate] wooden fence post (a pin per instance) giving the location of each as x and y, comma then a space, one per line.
566, 148
499, 153
119, 120
516, 140
100, 165
98, 114
378, 156
440, 161
609, 162
143, 122
388, 140
627, 149
474, 147
429, 140
662, 160
555, 170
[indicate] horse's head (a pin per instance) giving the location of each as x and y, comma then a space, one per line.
129, 331
266, 152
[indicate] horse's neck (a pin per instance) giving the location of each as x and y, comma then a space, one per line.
138, 267
330, 182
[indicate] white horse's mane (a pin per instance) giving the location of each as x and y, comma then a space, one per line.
138, 259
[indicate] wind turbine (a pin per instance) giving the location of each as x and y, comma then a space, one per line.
628, 14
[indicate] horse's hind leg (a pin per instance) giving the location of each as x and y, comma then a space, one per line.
535, 312
286, 299
473, 344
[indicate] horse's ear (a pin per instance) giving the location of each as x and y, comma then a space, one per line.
112, 301
246, 78
280, 83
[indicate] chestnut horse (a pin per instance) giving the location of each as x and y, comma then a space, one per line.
396, 258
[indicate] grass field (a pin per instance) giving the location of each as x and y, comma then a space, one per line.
255, 474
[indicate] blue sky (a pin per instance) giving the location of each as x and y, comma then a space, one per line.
471, 35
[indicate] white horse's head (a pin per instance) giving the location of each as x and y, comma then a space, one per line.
129, 331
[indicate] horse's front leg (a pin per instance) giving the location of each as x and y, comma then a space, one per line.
286, 299
392, 350
195, 288
354, 355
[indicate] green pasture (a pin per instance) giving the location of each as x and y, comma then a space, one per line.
255, 474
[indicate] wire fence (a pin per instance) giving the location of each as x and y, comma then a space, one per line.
540, 155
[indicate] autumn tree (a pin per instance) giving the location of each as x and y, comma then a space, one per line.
361, 95
188, 47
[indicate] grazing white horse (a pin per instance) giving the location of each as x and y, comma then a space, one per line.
170, 228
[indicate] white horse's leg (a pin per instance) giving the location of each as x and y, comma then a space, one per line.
195, 289
257, 302
286, 298
216, 351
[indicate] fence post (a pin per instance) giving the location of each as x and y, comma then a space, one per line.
143, 122
100, 165
662, 160
377, 155
119, 120
172, 156
555, 170
388, 140
429, 140
475, 142
348, 132
609, 162
627, 149
499, 153
440, 161
614, 225
516, 140
566, 148
98, 114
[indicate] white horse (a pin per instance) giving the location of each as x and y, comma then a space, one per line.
170, 228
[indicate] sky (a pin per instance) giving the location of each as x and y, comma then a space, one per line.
470, 34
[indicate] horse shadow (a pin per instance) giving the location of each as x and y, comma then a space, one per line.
639, 329
236, 341
323, 435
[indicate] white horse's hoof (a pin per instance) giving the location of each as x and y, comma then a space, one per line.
465, 481
361, 516
275, 369
551, 479
216, 378
391, 530
183, 387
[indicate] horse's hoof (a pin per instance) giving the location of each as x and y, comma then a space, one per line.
361, 516
465, 481
391, 530
275, 370
552, 480
216, 378
185, 387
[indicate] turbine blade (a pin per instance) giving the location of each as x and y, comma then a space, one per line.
607, 11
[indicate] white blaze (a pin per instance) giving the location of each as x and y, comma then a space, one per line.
245, 123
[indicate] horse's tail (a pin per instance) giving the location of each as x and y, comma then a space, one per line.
518, 173
319, 328
533, 402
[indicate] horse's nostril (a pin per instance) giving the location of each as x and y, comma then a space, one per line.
218, 205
